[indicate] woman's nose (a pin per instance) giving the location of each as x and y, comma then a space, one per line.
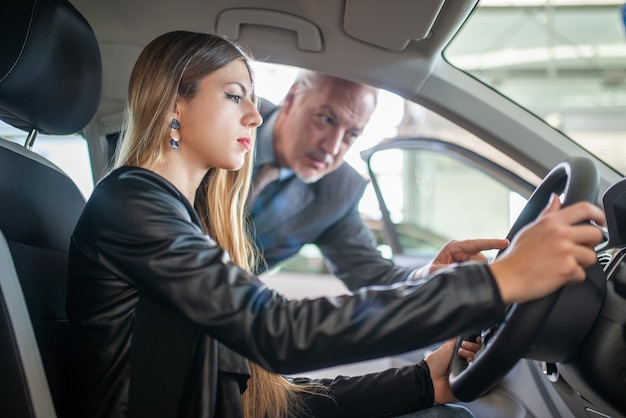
254, 118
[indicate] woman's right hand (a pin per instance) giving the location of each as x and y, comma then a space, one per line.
549, 252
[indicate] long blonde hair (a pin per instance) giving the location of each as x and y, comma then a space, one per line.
172, 66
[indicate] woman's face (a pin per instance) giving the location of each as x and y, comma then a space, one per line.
217, 125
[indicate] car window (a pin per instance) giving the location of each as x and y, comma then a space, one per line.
421, 188
432, 194
562, 60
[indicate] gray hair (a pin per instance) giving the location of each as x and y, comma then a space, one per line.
308, 79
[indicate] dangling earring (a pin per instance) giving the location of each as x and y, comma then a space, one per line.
175, 134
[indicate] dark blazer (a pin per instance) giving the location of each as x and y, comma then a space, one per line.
152, 301
324, 213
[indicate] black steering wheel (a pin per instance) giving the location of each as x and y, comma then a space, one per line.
549, 328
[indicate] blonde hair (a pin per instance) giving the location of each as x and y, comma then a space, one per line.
220, 204
172, 66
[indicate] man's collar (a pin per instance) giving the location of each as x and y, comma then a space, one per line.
265, 147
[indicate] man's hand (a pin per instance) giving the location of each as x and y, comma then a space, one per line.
459, 251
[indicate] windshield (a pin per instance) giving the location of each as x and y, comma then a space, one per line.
563, 60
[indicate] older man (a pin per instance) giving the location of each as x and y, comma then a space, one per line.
304, 193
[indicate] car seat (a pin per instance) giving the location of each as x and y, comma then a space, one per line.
50, 82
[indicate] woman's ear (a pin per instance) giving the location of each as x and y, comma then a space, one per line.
170, 118
176, 109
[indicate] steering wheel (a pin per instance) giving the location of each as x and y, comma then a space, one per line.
549, 328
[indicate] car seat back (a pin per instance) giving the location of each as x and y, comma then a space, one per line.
50, 82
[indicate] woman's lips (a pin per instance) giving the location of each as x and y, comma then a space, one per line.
245, 142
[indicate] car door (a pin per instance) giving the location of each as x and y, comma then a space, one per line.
431, 191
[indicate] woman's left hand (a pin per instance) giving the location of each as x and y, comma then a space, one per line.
439, 364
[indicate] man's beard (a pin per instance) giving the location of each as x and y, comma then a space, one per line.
309, 178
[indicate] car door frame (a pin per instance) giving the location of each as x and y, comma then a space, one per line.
390, 234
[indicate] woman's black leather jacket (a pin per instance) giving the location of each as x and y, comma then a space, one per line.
152, 302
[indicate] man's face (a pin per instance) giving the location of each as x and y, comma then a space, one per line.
317, 126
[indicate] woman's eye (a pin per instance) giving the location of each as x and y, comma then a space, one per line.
234, 97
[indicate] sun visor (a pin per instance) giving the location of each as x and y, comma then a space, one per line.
390, 24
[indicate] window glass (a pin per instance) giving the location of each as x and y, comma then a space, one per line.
433, 197
561, 59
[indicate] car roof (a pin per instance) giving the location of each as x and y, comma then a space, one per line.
347, 39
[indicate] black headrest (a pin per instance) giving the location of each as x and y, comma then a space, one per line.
50, 67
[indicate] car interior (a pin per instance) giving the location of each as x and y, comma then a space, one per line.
64, 69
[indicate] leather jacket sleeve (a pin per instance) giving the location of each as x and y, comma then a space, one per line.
146, 236
386, 393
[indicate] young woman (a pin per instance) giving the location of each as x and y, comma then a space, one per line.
164, 313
